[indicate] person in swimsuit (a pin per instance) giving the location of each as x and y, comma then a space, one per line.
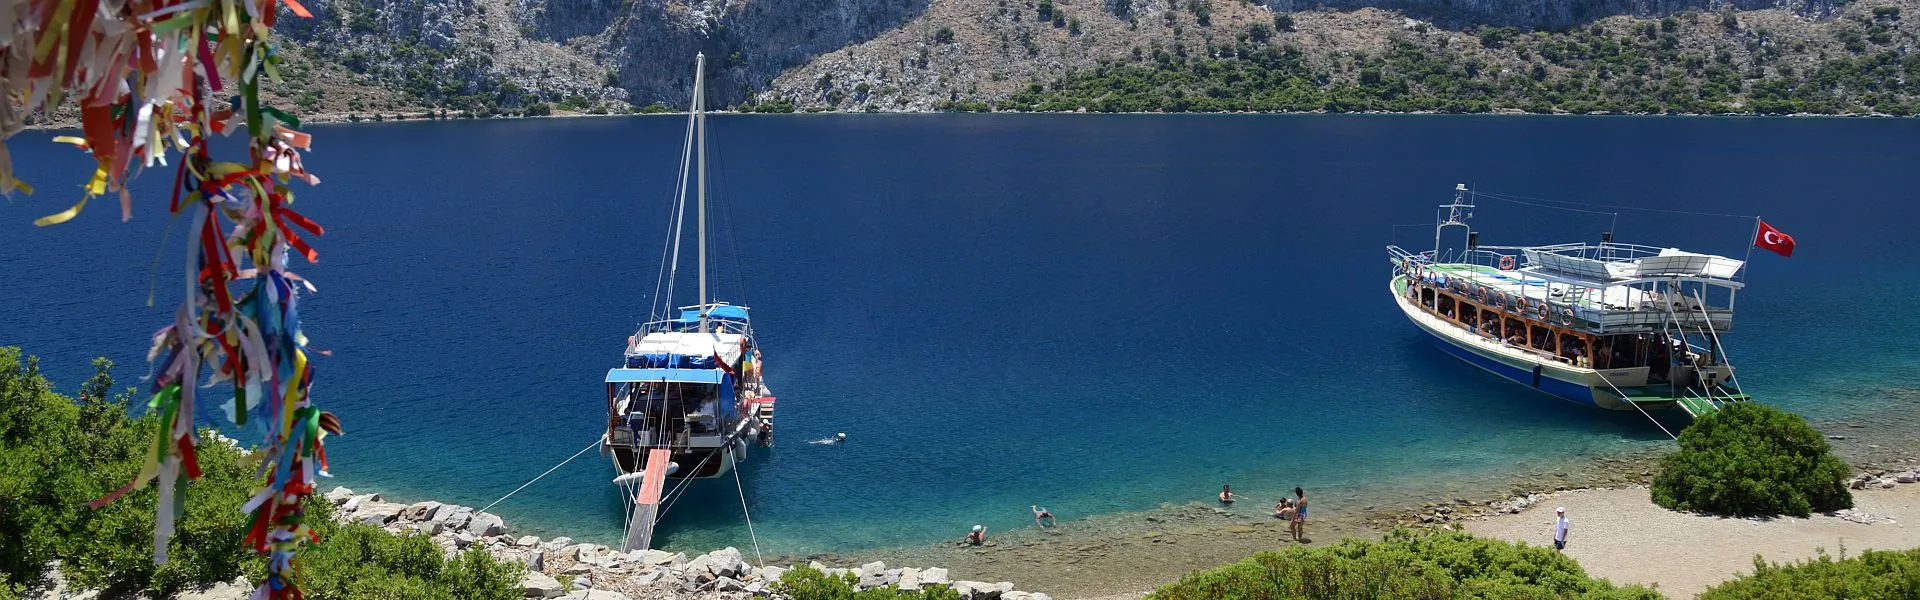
978, 536
1041, 513
1299, 524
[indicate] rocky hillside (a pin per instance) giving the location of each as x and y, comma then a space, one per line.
1218, 55
369, 57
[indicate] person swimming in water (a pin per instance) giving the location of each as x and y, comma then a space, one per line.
978, 536
1226, 494
836, 439
1042, 513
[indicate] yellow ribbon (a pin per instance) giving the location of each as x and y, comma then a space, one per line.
94, 188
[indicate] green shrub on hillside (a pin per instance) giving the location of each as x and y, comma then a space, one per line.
1749, 459
1406, 565
57, 454
363, 561
1873, 575
807, 583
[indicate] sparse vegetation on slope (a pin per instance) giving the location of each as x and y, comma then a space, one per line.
1692, 64
1405, 565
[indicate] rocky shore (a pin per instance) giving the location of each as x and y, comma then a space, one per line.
561, 568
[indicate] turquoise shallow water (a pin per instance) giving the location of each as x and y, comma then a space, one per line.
1098, 314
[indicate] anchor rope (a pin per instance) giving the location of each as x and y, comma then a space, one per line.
523, 486
743, 510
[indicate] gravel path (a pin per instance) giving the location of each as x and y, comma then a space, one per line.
1622, 536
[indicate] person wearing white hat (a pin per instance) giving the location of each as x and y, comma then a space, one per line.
1560, 527
978, 536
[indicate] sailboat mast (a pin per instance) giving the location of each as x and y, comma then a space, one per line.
700, 118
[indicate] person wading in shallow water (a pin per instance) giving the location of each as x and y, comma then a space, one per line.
1226, 494
1299, 525
978, 536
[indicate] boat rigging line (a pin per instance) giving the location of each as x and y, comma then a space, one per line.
523, 486
743, 510
1550, 203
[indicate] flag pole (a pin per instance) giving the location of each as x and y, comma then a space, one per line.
1751, 240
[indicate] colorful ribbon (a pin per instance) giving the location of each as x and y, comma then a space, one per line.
142, 73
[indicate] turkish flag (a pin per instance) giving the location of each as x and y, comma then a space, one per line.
1772, 239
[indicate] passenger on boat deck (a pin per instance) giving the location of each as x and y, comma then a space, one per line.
1041, 513
978, 536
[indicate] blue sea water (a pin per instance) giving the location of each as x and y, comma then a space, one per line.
1095, 313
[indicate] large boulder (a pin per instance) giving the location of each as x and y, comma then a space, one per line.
725, 562
873, 575
453, 518
772, 573
975, 590
238, 589
421, 511
698, 566
339, 495
935, 576
656, 557
909, 579
728, 584
487, 524
539, 585
378, 513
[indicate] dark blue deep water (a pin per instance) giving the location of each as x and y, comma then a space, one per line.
1099, 314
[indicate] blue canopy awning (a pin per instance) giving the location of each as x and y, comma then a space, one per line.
675, 375
728, 311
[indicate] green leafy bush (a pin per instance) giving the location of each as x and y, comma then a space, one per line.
807, 583
1752, 460
1872, 575
1406, 565
56, 454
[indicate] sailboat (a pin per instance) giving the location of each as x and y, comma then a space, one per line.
687, 400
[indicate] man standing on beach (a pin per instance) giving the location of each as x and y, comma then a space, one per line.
1560, 527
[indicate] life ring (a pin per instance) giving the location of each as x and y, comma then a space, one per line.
1521, 301
1506, 263
1567, 315
1543, 311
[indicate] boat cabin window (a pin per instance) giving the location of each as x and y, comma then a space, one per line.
1446, 306
1469, 315
1515, 332
1490, 323
1541, 337
1573, 349
1426, 296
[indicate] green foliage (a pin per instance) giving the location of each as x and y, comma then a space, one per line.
362, 561
807, 583
1283, 22
1873, 574
1202, 11
1044, 10
1582, 71
1749, 459
56, 454
776, 105
539, 109
653, 109
1405, 565
1259, 33
943, 36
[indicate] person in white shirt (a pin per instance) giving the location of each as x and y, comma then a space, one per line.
1560, 527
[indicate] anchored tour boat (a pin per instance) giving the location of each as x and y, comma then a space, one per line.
1611, 325
687, 401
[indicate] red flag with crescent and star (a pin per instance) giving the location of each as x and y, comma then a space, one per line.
1773, 239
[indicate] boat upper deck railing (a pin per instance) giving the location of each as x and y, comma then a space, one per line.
1498, 279
1593, 265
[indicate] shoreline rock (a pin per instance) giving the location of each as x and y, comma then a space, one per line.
561, 568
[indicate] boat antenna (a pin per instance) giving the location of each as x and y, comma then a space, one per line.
700, 118
1456, 216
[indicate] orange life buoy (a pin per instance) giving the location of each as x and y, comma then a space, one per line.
1506, 263
1543, 310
